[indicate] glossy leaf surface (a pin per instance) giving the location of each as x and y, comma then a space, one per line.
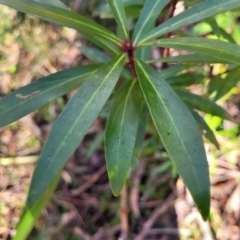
118, 11
179, 133
189, 58
203, 104
31, 97
224, 51
72, 124
201, 11
150, 12
121, 133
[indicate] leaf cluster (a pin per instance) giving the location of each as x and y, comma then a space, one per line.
141, 90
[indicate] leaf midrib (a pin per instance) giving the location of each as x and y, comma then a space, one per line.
143, 25
73, 125
185, 19
121, 124
44, 92
121, 19
171, 120
200, 47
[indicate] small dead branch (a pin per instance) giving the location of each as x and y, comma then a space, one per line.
161, 210
134, 194
96, 176
124, 214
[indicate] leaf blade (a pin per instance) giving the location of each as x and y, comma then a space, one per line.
121, 133
192, 15
189, 58
225, 51
79, 114
117, 8
203, 104
150, 12
172, 119
41, 92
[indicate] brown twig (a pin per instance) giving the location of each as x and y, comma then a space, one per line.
134, 194
161, 210
124, 214
90, 182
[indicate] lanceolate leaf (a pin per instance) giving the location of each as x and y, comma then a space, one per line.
150, 12
203, 104
117, 8
29, 98
192, 15
121, 133
30, 216
179, 133
190, 58
224, 51
72, 125
90, 29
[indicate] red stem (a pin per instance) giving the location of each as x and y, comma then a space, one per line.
129, 49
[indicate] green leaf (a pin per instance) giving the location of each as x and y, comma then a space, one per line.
208, 133
214, 25
30, 216
118, 11
103, 10
179, 133
72, 125
143, 53
224, 51
56, 3
93, 31
142, 121
94, 54
98, 56
189, 58
121, 133
227, 83
93, 146
174, 70
150, 12
192, 2
185, 79
203, 104
31, 97
201, 11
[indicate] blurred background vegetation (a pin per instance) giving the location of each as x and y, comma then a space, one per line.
154, 204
